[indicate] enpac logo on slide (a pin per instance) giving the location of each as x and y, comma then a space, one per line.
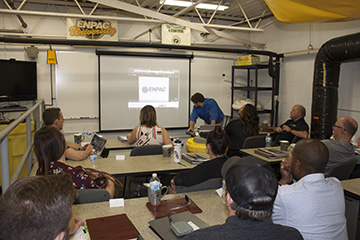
154, 89
146, 89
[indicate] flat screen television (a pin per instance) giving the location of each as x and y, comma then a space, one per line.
18, 80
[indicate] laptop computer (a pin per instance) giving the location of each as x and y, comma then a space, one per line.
98, 142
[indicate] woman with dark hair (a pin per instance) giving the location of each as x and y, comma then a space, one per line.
238, 130
49, 148
216, 144
148, 133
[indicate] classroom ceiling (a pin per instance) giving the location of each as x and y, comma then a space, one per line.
240, 16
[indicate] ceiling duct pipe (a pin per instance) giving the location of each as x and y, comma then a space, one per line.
326, 81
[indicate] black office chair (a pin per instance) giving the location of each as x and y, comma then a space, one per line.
342, 171
146, 150
142, 151
91, 196
254, 142
226, 121
212, 183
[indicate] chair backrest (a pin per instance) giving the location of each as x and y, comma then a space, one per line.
146, 150
226, 121
92, 195
343, 170
254, 142
211, 183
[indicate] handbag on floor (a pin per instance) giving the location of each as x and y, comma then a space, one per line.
101, 178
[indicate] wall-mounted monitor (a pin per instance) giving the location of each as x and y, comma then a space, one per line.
18, 80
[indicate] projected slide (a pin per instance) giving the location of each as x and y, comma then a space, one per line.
154, 89
128, 83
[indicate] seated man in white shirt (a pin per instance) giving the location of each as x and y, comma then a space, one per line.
314, 205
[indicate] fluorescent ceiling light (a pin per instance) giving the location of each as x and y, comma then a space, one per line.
187, 4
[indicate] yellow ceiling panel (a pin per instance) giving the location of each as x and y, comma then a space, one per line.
307, 11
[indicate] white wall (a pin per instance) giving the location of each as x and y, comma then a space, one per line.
296, 75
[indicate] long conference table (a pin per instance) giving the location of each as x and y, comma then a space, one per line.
131, 165
213, 209
352, 200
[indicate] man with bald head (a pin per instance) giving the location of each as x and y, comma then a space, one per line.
295, 128
340, 148
313, 204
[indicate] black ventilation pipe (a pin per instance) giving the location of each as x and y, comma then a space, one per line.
326, 81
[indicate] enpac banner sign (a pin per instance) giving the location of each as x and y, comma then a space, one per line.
175, 34
85, 29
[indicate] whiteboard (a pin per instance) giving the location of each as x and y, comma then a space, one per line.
77, 84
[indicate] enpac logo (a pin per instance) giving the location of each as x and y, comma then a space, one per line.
146, 89
92, 29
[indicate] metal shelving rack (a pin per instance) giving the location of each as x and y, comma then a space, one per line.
254, 87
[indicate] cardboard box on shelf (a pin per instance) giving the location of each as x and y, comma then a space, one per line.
248, 60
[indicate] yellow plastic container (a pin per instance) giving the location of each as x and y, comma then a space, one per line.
17, 147
192, 146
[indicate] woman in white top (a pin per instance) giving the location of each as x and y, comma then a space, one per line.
148, 133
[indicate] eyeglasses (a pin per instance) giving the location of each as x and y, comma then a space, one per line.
188, 203
339, 127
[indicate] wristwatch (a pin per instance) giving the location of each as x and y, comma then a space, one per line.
290, 130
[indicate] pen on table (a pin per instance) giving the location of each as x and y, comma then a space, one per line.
182, 164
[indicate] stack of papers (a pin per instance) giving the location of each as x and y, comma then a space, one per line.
194, 158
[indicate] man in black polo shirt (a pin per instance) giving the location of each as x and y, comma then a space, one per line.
295, 128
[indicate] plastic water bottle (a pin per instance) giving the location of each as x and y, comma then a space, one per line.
177, 150
268, 141
93, 156
155, 190
85, 135
90, 134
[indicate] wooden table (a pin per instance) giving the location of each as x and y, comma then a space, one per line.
213, 207
131, 165
352, 201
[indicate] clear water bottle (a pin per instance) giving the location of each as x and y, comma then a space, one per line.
90, 134
155, 190
268, 141
93, 156
85, 135
177, 150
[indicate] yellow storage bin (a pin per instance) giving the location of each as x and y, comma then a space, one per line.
192, 146
17, 147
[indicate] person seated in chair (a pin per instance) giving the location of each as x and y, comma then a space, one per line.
148, 133
293, 129
250, 193
39, 208
313, 204
216, 144
238, 130
54, 117
340, 148
49, 149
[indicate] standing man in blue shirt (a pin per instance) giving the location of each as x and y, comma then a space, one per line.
205, 108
